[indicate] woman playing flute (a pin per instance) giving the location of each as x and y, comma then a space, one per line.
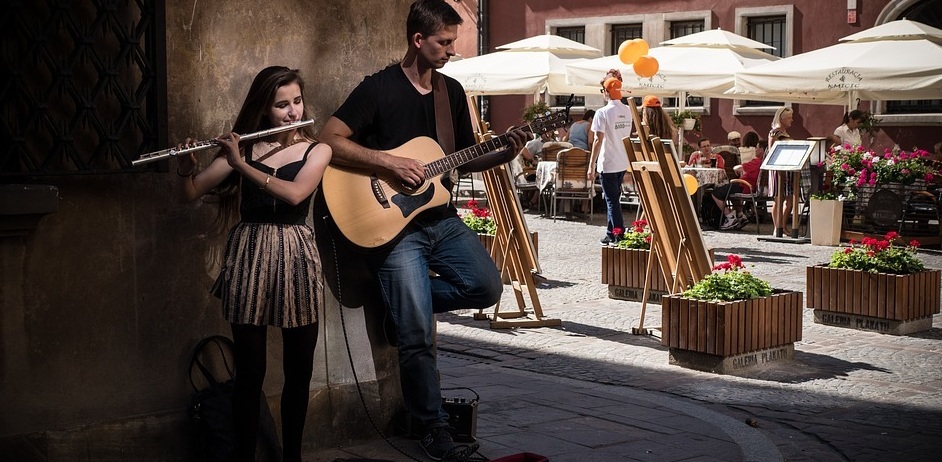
270, 275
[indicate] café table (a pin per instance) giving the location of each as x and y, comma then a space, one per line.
708, 178
545, 174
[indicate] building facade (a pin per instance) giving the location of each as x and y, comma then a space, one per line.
792, 27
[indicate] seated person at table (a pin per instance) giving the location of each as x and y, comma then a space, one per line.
705, 156
526, 161
530, 154
734, 139
748, 172
580, 132
748, 150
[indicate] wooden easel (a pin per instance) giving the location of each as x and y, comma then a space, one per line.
514, 243
677, 242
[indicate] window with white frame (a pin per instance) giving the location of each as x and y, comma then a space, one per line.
771, 25
930, 13
576, 34
679, 29
772, 31
622, 32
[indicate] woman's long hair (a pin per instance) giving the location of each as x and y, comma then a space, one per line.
253, 117
659, 123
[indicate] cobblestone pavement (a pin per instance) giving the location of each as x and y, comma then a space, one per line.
847, 395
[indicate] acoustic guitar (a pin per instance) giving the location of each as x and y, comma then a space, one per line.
372, 211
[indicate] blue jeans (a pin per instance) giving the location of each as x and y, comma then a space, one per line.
467, 279
611, 191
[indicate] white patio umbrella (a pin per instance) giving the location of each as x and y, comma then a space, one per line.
718, 38
515, 73
703, 64
553, 43
700, 70
527, 66
898, 60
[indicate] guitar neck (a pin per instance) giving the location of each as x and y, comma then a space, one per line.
466, 155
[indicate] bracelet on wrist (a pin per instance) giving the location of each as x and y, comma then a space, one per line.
267, 180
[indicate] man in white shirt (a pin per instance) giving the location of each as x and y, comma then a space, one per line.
611, 124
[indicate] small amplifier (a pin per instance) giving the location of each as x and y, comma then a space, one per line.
463, 417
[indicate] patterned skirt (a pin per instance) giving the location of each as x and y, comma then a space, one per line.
271, 275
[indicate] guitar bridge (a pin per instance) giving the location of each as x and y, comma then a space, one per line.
378, 192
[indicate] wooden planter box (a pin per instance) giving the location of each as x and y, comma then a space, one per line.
488, 241
624, 269
887, 303
726, 336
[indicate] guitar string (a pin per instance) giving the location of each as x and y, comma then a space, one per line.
465, 155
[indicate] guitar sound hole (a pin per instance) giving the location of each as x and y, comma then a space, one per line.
407, 189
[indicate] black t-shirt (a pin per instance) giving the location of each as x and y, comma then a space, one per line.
385, 110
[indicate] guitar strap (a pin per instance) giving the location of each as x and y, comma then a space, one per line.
444, 127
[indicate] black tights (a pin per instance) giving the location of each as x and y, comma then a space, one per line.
250, 359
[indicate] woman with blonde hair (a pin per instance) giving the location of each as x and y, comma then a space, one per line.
781, 122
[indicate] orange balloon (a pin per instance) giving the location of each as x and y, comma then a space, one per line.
691, 184
646, 66
630, 50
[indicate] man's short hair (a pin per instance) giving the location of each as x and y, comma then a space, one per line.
701, 140
427, 17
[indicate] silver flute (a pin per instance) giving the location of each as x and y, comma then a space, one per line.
208, 144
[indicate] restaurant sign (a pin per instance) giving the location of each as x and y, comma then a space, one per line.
844, 79
655, 82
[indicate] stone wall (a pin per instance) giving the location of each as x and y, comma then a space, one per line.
102, 303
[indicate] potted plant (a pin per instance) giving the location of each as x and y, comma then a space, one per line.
826, 212
858, 173
730, 320
537, 109
687, 119
875, 285
625, 264
480, 220
869, 124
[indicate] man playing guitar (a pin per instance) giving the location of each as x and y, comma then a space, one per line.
385, 111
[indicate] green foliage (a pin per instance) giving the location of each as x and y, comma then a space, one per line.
679, 116
479, 219
728, 282
826, 195
535, 110
869, 123
638, 237
878, 256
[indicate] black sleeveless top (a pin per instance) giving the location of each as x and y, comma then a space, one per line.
257, 206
